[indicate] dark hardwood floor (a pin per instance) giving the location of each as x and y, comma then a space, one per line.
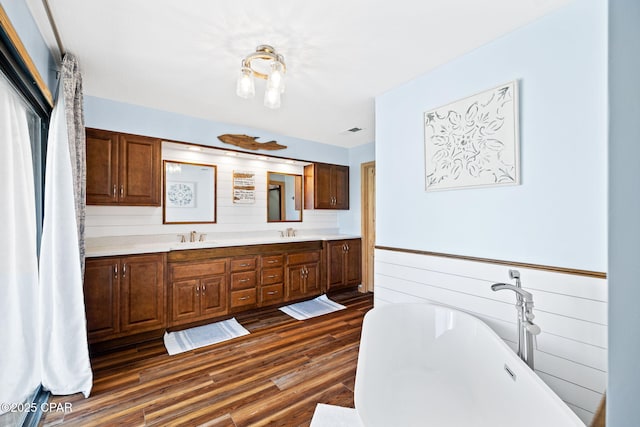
274, 376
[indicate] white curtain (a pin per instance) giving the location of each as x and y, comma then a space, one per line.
64, 350
19, 366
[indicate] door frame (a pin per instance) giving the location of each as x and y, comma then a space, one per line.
367, 204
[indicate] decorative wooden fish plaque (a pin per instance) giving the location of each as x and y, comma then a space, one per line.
249, 142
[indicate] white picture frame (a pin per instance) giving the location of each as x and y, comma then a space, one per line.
474, 142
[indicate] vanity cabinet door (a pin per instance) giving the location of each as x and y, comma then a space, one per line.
213, 296
101, 291
140, 171
340, 182
353, 262
198, 290
335, 263
323, 187
312, 283
344, 263
294, 286
185, 302
303, 277
142, 301
102, 167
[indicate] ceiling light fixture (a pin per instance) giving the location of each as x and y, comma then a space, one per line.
269, 65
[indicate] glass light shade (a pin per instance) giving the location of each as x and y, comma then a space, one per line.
245, 87
276, 76
272, 97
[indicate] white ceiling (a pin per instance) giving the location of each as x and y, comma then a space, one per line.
183, 56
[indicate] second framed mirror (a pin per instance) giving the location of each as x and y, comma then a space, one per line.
284, 197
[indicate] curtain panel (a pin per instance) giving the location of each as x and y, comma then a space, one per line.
19, 366
63, 333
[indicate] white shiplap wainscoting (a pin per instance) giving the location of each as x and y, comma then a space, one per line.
102, 221
571, 309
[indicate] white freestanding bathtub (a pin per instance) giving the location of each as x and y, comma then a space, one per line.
428, 365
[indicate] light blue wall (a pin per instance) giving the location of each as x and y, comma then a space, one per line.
558, 215
118, 116
26, 27
349, 221
624, 213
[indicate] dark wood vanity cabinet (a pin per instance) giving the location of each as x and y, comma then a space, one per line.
198, 290
303, 275
326, 186
124, 295
344, 263
123, 169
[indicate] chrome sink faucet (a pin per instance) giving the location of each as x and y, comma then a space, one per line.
527, 330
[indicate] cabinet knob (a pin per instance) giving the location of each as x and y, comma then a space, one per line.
124, 270
272, 292
115, 270
272, 276
121, 190
243, 298
243, 280
114, 191
197, 290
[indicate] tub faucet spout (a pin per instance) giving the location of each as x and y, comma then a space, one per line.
521, 293
527, 330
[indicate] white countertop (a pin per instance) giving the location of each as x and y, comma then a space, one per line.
95, 248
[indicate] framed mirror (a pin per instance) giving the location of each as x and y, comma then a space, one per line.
284, 197
189, 193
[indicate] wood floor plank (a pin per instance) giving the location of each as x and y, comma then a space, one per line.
275, 376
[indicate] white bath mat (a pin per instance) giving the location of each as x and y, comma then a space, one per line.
200, 336
312, 308
335, 416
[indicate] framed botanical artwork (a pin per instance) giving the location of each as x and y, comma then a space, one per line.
473, 142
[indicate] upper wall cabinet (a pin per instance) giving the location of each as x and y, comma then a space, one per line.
123, 169
326, 186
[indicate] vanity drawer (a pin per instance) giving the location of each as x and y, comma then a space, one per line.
243, 297
271, 294
243, 280
272, 261
196, 269
243, 264
272, 275
304, 257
